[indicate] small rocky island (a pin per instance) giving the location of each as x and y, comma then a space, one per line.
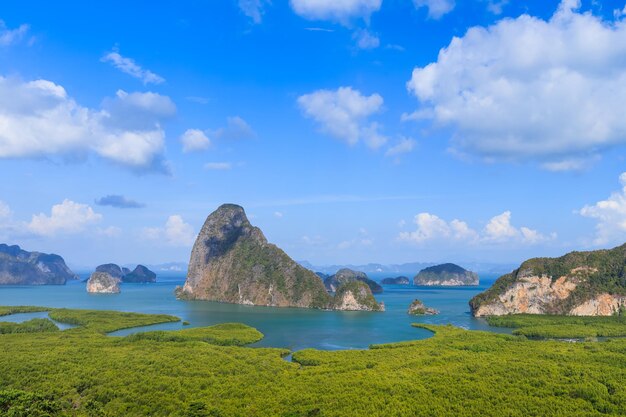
417, 308
20, 267
402, 280
356, 296
232, 261
103, 283
446, 275
345, 275
579, 284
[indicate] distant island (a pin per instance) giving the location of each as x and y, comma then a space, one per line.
232, 261
446, 275
579, 284
20, 267
345, 275
396, 281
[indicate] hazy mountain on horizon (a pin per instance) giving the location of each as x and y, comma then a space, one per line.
410, 268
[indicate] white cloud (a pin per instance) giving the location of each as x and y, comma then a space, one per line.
499, 229
365, 39
436, 8
278, 214
610, 215
130, 67
66, 217
341, 11
344, 113
12, 36
194, 140
111, 231
175, 232
405, 145
5, 210
39, 119
218, 166
253, 9
496, 6
530, 89
236, 128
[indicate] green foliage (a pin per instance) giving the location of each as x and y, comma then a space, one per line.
226, 334
103, 321
30, 326
455, 373
544, 326
5, 311
361, 292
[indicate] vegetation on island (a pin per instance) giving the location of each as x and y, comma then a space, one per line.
598, 272
83, 372
547, 326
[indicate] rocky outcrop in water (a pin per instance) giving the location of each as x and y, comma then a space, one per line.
232, 262
579, 283
103, 283
356, 296
140, 274
417, 308
396, 281
446, 275
346, 275
20, 267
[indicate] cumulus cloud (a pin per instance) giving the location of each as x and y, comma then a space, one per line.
194, 140
253, 9
236, 129
118, 201
365, 39
499, 229
342, 11
218, 166
39, 119
12, 36
5, 210
610, 215
530, 89
130, 67
405, 145
175, 232
496, 6
344, 113
436, 8
65, 218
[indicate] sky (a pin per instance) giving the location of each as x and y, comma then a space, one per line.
351, 131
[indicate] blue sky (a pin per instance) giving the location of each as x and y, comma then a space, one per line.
352, 131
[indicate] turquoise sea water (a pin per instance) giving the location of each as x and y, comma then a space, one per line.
290, 328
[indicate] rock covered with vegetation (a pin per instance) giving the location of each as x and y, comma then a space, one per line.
356, 296
446, 275
396, 281
589, 283
103, 283
20, 267
233, 262
345, 275
140, 274
418, 308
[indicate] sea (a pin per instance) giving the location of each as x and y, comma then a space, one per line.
291, 328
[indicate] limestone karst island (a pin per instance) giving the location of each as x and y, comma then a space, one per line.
313, 208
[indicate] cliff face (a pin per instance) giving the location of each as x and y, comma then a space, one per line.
103, 283
20, 267
579, 283
356, 296
232, 262
345, 275
446, 274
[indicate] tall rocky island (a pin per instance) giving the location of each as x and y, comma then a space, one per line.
20, 267
579, 284
232, 261
446, 275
